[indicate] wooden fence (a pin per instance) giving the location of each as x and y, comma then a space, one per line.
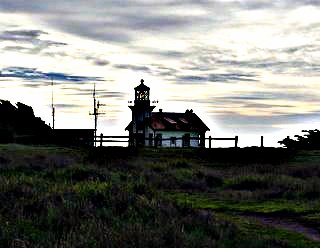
236, 139
101, 139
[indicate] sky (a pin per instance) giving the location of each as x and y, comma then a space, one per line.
246, 67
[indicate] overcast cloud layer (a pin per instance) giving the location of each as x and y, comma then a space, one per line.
245, 65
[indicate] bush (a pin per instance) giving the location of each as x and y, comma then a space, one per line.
249, 183
311, 140
213, 181
78, 174
181, 164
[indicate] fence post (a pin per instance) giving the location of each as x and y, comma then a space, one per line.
101, 137
261, 141
236, 141
210, 141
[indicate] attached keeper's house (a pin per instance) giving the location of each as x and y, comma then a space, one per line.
164, 129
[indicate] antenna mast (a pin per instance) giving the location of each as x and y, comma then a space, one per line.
52, 106
96, 113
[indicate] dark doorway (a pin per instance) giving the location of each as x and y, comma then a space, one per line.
150, 139
186, 140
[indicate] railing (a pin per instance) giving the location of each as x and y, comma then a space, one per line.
236, 139
101, 139
105, 139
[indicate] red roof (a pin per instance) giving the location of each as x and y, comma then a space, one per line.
167, 121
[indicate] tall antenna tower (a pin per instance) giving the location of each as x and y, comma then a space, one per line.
52, 105
96, 113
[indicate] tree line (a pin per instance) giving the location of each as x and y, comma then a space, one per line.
310, 140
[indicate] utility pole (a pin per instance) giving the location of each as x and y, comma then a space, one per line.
96, 113
52, 105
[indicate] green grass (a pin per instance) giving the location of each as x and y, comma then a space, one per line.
269, 236
69, 197
202, 201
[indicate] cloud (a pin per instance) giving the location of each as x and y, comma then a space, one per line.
97, 61
99, 92
161, 52
113, 21
256, 100
31, 38
309, 48
101, 62
265, 106
132, 67
20, 49
167, 54
89, 28
291, 67
28, 36
163, 70
260, 124
66, 106
303, 2
230, 77
32, 74
265, 120
112, 94
253, 96
21, 35
292, 60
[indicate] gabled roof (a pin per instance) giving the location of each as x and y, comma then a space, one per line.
167, 121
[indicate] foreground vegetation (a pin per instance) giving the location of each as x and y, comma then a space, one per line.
119, 197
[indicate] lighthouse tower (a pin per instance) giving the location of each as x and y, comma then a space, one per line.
141, 112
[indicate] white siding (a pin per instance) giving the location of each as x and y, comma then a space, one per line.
176, 134
149, 131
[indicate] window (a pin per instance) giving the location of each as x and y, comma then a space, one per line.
173, 141
159, 139
142, 95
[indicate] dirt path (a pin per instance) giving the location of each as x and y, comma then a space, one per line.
287, 224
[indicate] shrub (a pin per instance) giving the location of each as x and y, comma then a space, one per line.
78, 174
180, 164
213, 181
249, 183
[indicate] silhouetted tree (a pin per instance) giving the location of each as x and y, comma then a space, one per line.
19, 122
310, 140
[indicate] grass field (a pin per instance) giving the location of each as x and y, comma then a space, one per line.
121, 197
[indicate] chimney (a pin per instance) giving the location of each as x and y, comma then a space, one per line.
160, 110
